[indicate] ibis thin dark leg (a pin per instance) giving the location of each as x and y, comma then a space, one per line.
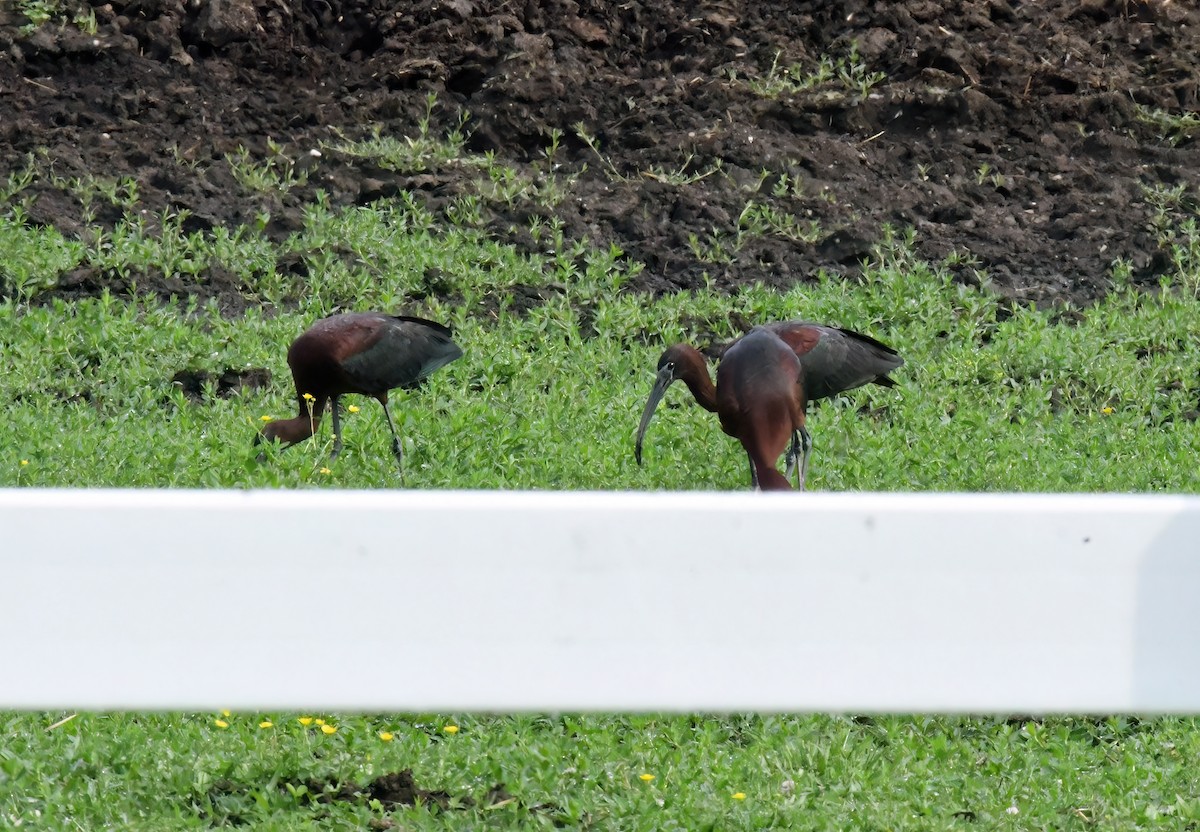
793, 453
399, 454
335, 405
798, 449
806, 441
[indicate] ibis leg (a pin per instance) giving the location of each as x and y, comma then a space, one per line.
335, 405
396, 452
805, 447
797, 453
792, 457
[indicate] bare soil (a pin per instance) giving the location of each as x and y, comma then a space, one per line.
1011, 134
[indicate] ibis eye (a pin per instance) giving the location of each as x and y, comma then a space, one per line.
670, 365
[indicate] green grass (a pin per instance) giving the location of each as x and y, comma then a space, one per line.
994, 397
550, 398
168, 771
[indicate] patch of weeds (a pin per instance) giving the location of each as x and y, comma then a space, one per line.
1169, 206
605, 272
854, 75
389, 254
276, 174
1173, 128
1174, 219
466, 211
411, 154
788, 186
758, 219
508, 186
40, 12
593, 144
85, 19
717, 247
121, 193
1185, 255
141, 243
986, 173
19, 179
183, 156
844, 74
37, 12
960, 258
684, 174
31, 259
500, 184
896, 249
505, 184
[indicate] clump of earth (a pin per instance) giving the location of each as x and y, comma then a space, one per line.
1028, 144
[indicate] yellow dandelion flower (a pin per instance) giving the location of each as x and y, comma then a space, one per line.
451, 729
220, 723
24, 462
326, 471
739, 795
225, 712
266, 723
353, 408
266, 418
320, 721
386, 736
308, 397
305, 720
1106, 410
328, 729
645, 777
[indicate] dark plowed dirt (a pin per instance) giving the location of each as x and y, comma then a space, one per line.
1009, 132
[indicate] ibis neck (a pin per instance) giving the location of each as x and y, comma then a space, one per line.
305, 423
701, 385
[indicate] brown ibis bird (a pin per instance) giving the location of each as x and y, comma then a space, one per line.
368, 353
758, 396
833, 360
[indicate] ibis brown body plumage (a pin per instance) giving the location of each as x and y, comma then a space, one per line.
760, 402
832, 360
369, 353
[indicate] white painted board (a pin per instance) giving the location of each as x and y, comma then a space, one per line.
615, 601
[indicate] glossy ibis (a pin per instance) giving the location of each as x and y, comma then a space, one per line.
758, 397
833, 360
368, 353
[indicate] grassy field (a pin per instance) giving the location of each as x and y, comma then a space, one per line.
270, 771
994, 396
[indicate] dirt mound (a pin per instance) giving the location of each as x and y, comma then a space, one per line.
748, 141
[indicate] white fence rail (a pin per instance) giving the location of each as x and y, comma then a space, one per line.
401, 600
